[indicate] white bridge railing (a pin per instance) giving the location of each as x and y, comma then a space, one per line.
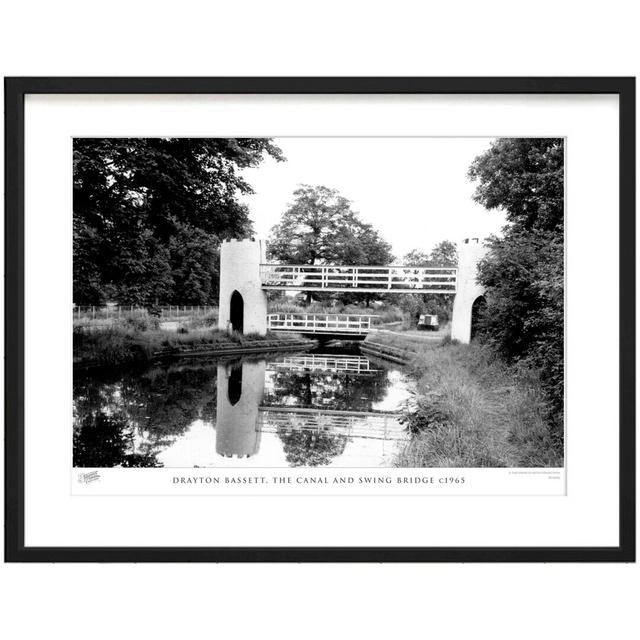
317, 362
394, 279
376, 426
320, 323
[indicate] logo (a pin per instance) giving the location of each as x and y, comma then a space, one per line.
90, 476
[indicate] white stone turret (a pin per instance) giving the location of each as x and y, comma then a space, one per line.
470, 252
240, 271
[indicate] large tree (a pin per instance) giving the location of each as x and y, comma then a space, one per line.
320, 227
149, 214
524, 270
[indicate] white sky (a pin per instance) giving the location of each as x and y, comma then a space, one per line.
414, 191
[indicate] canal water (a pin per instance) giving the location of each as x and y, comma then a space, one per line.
330, 407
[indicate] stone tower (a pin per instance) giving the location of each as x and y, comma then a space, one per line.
243, 303
470, 252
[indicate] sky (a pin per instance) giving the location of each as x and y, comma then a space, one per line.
414, 191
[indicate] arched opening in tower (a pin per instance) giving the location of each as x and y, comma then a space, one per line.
478, 309
236, 314
234, 387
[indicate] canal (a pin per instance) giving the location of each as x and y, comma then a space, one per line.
327, 407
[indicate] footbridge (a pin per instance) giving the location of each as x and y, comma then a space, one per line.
353, 327
351, 424
246, 277
367, 279
356, 365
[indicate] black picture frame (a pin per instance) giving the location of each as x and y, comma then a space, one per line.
15, 91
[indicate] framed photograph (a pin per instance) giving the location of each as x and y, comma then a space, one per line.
320, 319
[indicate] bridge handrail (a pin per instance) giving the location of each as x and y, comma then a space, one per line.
351, 364
338, 277
357, 266
314, 321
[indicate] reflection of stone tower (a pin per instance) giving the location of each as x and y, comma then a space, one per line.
240, 271
470, 252
240, 389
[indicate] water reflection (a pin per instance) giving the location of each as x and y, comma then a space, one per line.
306, 410
240, 389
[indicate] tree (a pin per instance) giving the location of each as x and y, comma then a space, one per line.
416, 258
523, 271
525, 178
443, 254
149, 214
321, 228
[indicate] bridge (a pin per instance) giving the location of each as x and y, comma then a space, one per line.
243, 413
356, 365
354, 327
351, 424
246, 277
368, 279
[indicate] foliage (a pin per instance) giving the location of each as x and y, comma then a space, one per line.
108, 347
311, 449
472, 409
524, 270
525, 178
119, 344
444, 254
105, 441
208, 320
149, 214
115, 409
321, 228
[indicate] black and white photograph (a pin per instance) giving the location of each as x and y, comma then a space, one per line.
351, 302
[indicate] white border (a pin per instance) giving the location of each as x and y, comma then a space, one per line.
587, 516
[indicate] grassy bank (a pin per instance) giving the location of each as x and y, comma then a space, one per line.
119, 344
473, 410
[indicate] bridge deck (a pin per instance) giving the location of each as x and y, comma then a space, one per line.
391, 279
356, 424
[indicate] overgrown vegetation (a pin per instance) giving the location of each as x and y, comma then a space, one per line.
472, 409
523, 273
121, 344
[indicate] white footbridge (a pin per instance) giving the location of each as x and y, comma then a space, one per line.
351, 424
246, 276
368, 279
309, 362
334, 325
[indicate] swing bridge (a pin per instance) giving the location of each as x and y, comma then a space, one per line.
359, 279
246, 276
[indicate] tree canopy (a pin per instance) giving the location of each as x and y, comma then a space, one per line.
149, 214
321, 228
443, 254
523, 272
525, 178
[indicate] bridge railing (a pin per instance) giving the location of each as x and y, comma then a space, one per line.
350, 424
320, 322
318, 362
401, 279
